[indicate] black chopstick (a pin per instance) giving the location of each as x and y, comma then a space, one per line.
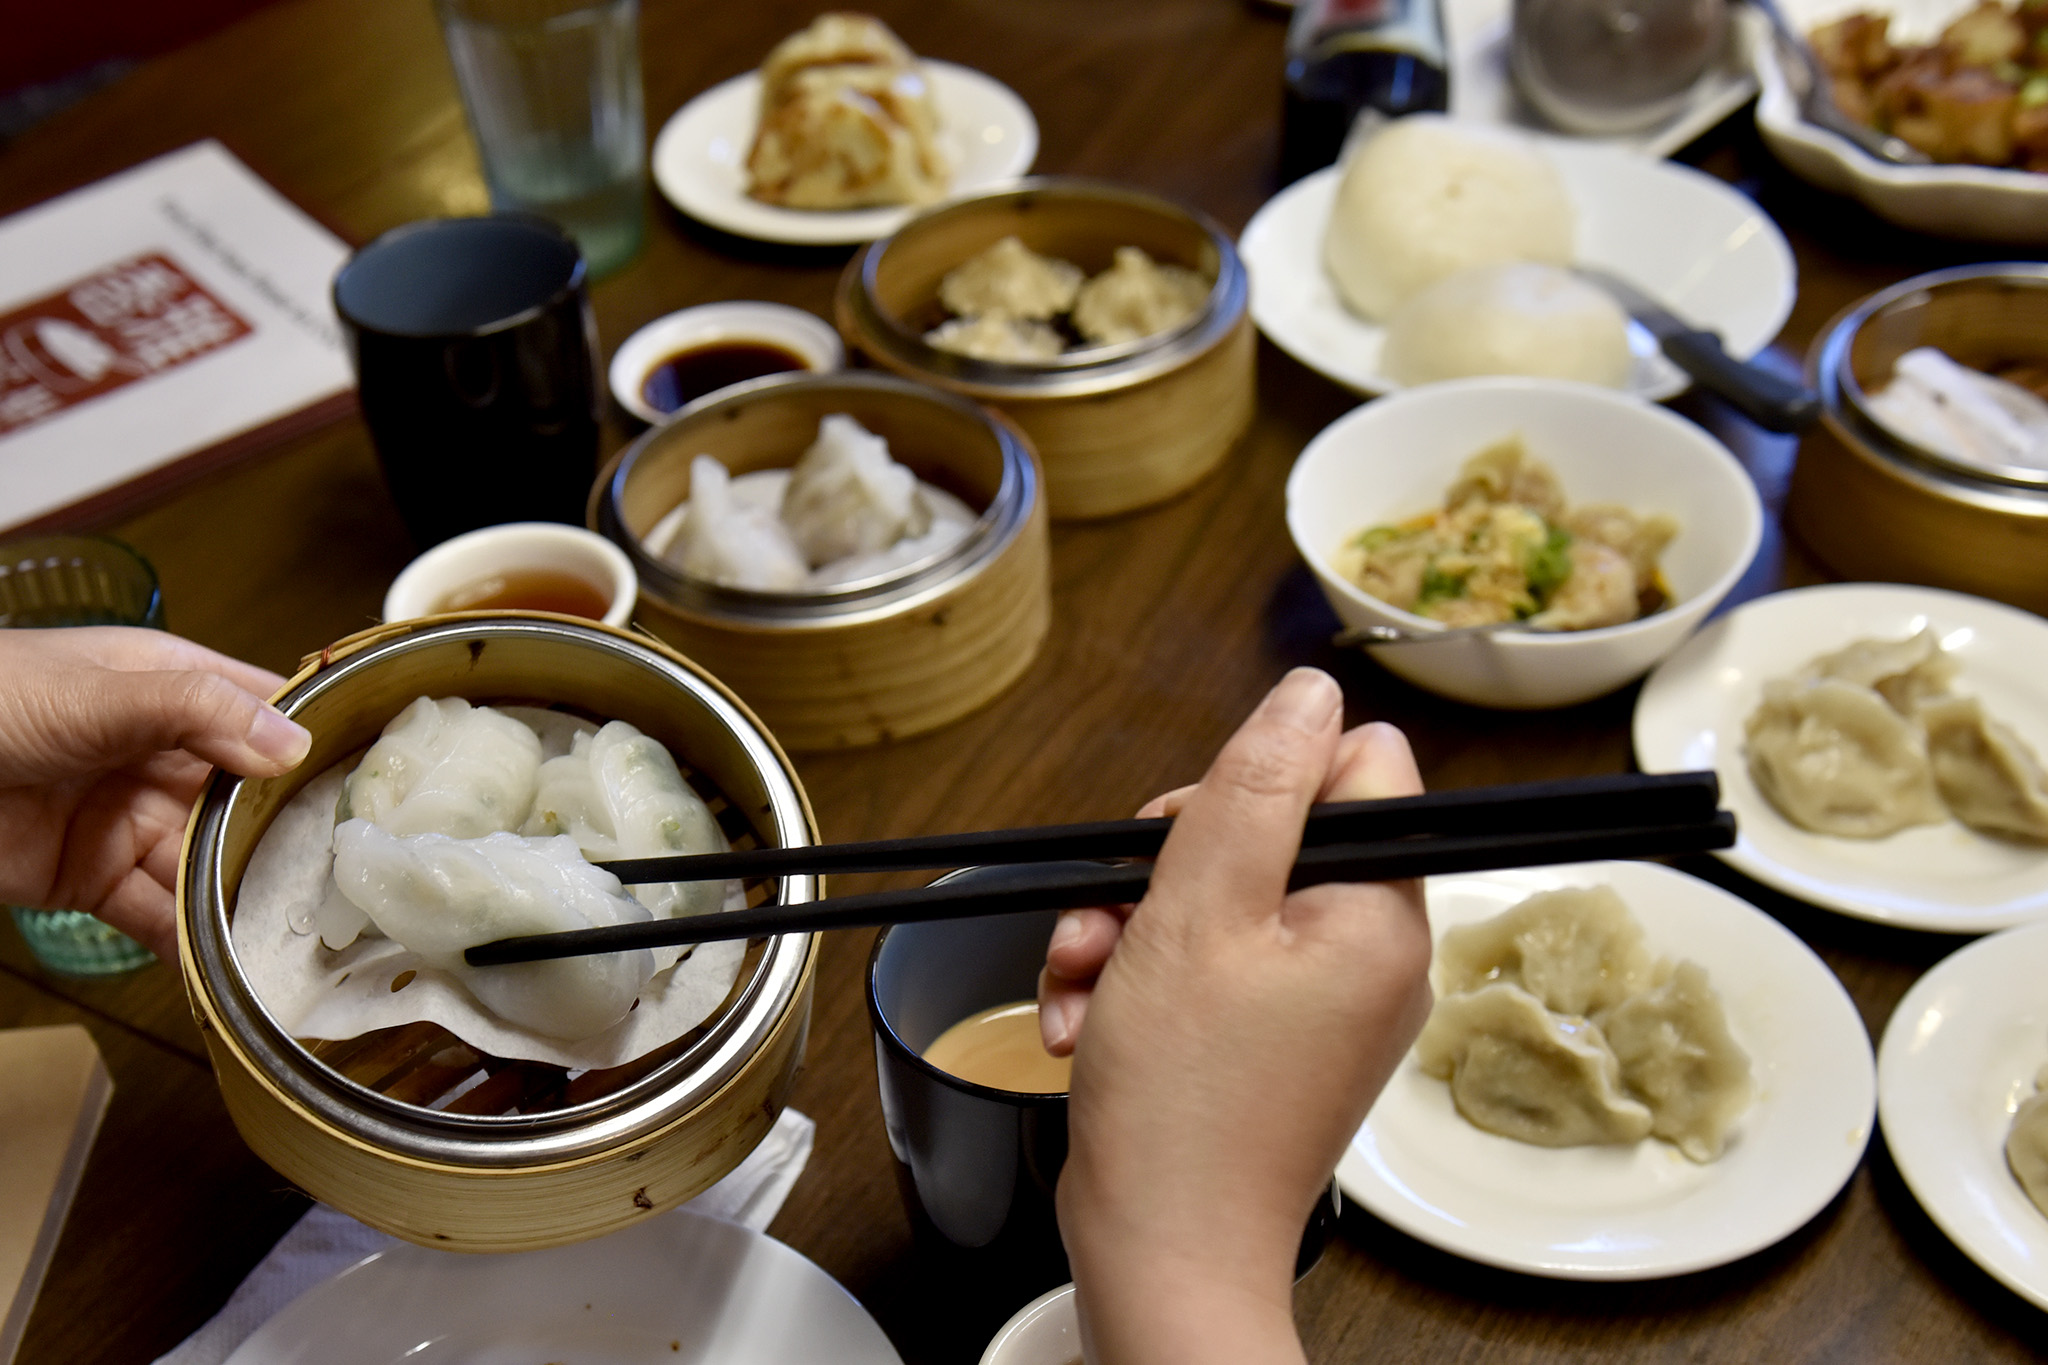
1025, 888
1568, 803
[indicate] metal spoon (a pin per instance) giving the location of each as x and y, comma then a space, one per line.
1361, 637
1817, 100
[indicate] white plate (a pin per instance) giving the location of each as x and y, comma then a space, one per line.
1958, 1056
1943, 877
1684, 238
1477, 34
679, 1288
700, 157
1641, 1212
1952, 201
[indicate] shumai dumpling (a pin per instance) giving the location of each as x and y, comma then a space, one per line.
1677, 1056
1990, 778
2026, 1145
1136, 298
1835, 758
1010, 280
1904, 672
1520, 1071
1014, 341
1576, 949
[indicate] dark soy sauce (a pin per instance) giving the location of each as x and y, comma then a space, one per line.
688, 375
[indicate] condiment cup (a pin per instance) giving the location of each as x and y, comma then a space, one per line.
425, 586
1393, 459
1045, 1331
794, 330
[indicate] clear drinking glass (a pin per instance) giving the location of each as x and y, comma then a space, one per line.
77, 581
553, 93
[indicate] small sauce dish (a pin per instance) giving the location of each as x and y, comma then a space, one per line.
682, 356
522, 566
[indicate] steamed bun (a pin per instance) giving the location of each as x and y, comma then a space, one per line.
1425, 198
1508, 319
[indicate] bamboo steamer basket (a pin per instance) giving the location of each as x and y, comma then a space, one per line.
1118, 427
533, 1156
868, 661
1875, 505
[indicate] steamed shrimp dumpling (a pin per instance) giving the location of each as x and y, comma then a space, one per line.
847, 497
445, 767
1576, 949
723, 540
1677, 1056
1520, 1071
1986, 773
1835, 758
438, 896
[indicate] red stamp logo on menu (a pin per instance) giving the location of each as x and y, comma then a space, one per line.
127, 322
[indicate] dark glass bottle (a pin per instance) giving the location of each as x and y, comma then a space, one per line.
1347, 56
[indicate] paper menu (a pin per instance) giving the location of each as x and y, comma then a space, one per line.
152, 321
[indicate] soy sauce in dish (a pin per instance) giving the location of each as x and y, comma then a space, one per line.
530, 590
690, 374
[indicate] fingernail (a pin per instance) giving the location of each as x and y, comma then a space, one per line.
1065, 934
278, 739
1307, 698
1052, 1022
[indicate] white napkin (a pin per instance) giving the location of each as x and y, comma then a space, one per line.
326, 1242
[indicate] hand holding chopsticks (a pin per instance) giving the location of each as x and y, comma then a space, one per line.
1523, 825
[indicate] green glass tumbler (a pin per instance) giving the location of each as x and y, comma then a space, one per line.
77, 581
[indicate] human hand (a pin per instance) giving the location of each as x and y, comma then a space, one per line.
1228, 1039
106, 735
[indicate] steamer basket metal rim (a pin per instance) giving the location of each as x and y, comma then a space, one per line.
495, 1141
1092, 370
1845, 401
847, 604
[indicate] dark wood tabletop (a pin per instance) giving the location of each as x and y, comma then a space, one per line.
1168, 625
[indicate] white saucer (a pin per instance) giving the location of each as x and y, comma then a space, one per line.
700, 158
1959, 1055
801, 333
1943, 877
676, 1289
1686, 239
1641, 1212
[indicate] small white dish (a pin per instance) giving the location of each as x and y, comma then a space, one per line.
1978, 202
700, 158
794, 330
1045, 1331
1395, 458
1684, 238
1640, 1212
425, 586
1942, 877
681, 1288
1958, 1057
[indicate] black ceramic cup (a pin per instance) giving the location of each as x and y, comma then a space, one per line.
474, 348
978, 1166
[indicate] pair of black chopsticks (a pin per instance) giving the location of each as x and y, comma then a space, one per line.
1525, 825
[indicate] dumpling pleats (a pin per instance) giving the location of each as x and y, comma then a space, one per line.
1835, 758
1677, 1056
1576, 949
1986, 773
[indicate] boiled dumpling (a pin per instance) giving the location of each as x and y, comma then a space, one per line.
1677, 1056
2026, 1144
445, 767
1903, 672
1834, 758
847, 497
1010, 280
438, 896
1576, 949
1990, 778
1505, 472
1599, 591
1136, 298
1518, 1070
725, 541
1638, 538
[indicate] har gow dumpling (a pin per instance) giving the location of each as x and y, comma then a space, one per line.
439, 896
1986, 773
1576, 949
1520, 1071
1010, 280
445, 767
1835, 758
1677, 1056
847, 497
725, 541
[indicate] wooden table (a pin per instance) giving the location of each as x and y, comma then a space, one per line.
1168, 625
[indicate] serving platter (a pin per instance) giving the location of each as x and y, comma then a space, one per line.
1958, 1057
683, 1287
1643, 1211
1942, 877
699, 160
1686, 239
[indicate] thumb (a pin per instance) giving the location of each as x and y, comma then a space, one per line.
114, 717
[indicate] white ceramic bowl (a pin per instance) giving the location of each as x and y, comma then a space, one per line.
1045, 1331
1393, 459
426, 584
801, 333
